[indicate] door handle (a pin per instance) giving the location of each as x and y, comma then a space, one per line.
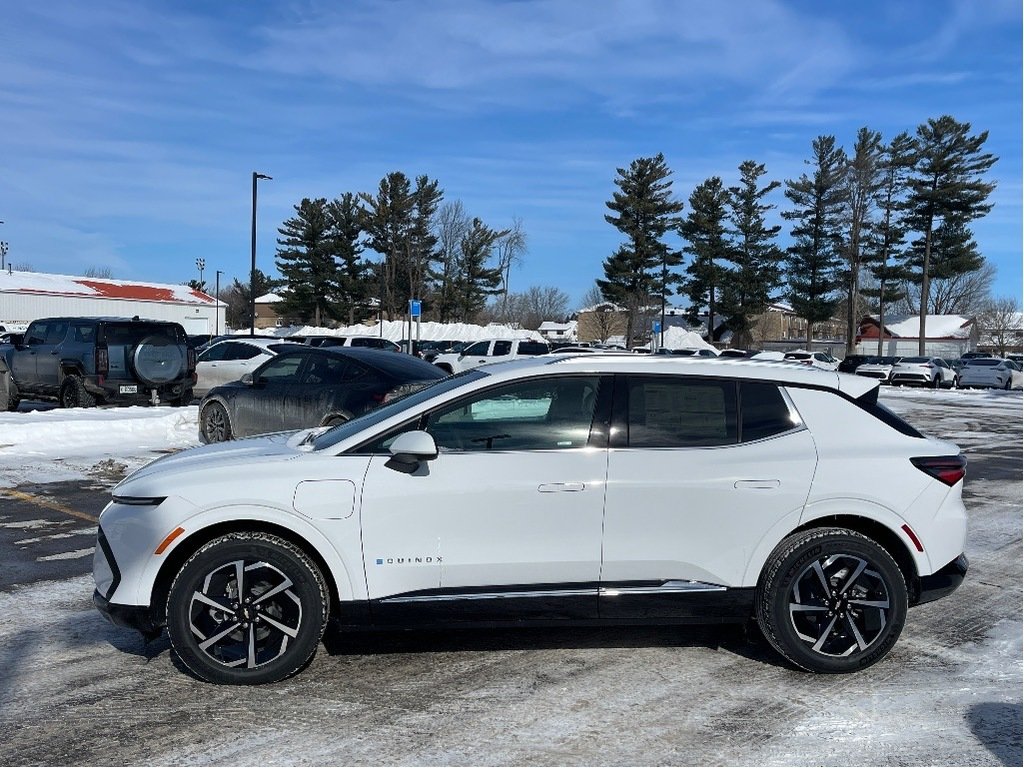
560, 487
762, 485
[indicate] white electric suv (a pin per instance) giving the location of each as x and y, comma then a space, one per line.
585, 488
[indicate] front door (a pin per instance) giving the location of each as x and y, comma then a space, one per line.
504, 523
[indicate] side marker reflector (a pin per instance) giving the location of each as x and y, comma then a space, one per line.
175, 534
913, 537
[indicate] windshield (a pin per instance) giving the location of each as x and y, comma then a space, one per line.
344, 431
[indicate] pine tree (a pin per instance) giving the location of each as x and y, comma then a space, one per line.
352, 273
813, 259
862, 181
885, 254
705, 230
305, 259
476, 280
421, 252
388, 223
946, 186
644, 211
753, 273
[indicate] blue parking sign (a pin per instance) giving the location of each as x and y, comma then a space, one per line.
414, 307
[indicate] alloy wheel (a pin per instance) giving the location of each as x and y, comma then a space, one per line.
245, 614
839, 605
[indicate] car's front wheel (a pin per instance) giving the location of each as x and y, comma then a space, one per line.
831, 600
247, 608
215, 423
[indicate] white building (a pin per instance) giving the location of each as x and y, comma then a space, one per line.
27, 296
946, 336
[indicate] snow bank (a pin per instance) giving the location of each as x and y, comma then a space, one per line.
396, 330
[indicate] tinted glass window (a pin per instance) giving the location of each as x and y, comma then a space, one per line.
56, 331
84, 333
36, 334
544, 414
128, 335
676, 412
245, 352
983, 363
405, 367
329, 369
214, 353
532, 348
480, 348
502, 348
281, 368
763, 410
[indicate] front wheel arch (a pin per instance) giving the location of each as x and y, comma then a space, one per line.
177, 557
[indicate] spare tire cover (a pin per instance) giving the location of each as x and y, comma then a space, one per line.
157, 360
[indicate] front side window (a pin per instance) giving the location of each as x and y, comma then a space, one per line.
281, 369
480, 348
540, 414
215, 353
675, 412
36, 334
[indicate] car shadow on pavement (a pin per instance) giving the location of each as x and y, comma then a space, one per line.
997, 725
731, 638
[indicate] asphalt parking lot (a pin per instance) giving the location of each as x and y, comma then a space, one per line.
75, 690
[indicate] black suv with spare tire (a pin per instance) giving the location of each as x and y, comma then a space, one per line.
83, 361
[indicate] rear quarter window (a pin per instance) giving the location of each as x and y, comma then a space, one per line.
764, 411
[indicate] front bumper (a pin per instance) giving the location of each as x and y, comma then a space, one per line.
943, 582
138, 617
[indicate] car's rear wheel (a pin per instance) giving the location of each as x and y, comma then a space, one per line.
215, 423
247, 608
73, 393
831, 600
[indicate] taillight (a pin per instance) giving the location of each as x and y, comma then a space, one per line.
102, 361
948, 469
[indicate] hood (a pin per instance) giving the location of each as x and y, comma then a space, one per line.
218, 456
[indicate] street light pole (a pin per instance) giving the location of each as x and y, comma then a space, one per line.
201, 265
252, 271
216, 296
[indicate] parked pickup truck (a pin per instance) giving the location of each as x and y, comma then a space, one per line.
491, 351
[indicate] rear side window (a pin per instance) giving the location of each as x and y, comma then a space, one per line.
502, 348
404, 367
532, 348
674, 412
764, 411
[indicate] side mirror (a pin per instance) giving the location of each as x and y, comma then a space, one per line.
409, 450
246, 379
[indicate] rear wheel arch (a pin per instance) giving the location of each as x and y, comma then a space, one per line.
882, 535
177, 557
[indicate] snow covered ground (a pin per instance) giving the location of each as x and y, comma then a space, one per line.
75, 690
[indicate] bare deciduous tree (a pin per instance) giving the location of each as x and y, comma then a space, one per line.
963, 294
104, 273
999, 323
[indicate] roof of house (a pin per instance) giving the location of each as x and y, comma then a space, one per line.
268, 298
935, 326
41, 284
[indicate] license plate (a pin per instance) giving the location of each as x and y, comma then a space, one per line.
128, 389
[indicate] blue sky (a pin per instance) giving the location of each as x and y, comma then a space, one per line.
129, 130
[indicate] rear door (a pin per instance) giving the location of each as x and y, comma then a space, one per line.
699, 471
23, 361
327, 384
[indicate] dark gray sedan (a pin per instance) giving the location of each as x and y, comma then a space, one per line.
309, 387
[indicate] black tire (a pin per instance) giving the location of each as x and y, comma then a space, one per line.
186, 398
215, 423
845, 626
235, 636
73, 393
13, 395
